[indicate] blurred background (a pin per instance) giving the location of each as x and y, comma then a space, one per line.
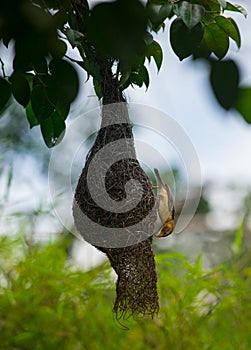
221, 139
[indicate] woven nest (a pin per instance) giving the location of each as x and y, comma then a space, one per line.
124, 235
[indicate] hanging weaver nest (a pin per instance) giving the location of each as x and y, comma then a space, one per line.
114, 211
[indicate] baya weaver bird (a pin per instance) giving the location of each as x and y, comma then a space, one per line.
165, 207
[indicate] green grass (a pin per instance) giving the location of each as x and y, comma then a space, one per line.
46, 303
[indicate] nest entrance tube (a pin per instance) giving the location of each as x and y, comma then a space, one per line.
114, 211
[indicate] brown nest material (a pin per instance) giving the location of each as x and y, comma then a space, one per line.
114, 211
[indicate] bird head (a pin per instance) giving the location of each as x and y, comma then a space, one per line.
168, 226
166, 229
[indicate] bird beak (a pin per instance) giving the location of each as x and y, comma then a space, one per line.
154, 187
165, 233
160, 235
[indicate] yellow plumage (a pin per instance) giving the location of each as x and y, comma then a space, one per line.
166, 209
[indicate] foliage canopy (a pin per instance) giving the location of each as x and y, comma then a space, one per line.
115, 37
46, 303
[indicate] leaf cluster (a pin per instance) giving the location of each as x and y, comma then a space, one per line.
119, 31
201, 29
47, 303
41, 81
116, 38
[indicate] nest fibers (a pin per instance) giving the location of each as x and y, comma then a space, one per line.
114, 211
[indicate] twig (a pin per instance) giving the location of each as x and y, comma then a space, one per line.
2, 66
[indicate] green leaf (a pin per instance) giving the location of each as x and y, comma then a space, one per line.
216, 39
122, 26
236, 8
22, 63
97, 88
191, 14
158, 14
126, 71
212, 9
40, 65
140, 77
124, 79
65, 79
43, 99
148, 38
31, 116
184, 41
62, 107
59, 49
224, 79
75, 38
28, 110
230, 28
237, 36
91, 67
136, 79
209, 5
30, 77
52, 129
5, 93
20, 88
60, 18
202, 51
143, 72
154, 50
243, 103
